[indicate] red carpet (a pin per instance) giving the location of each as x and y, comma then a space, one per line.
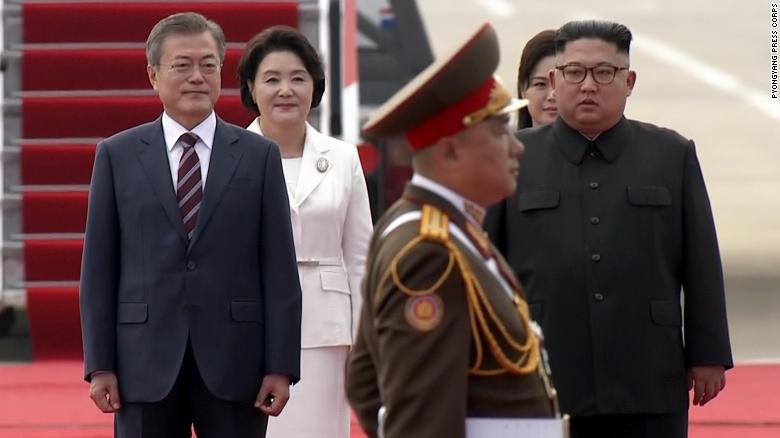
54, 212
57, 163
93, 22
99, 69
749, 407
53, 260
62, 117
49, 399
55, 328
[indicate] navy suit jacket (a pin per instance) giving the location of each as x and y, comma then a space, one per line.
233, 290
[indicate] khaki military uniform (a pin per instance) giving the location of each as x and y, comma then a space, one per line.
442, 337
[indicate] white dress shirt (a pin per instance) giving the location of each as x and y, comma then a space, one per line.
291, 167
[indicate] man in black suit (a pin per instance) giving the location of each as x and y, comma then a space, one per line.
610, 220
190, 300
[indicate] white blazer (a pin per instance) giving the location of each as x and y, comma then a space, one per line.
331, 223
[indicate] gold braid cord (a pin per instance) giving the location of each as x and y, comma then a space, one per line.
434, 225
481, 313
393, 272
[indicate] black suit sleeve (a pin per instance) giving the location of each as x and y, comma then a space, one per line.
279, 272
706, 328
495, 225
100, 269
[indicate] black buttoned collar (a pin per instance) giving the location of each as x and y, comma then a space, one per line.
574, 145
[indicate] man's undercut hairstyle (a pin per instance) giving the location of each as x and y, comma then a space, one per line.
608, 31
184, 23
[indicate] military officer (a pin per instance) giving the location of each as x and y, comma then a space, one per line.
445, 335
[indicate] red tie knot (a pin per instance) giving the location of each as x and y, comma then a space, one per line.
188, 140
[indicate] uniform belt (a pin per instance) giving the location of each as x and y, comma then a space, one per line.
319, 262
517, 427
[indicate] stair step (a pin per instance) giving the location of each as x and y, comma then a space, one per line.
20, 237
53, 260
99, 69
55, 328
57, 117
18, 189
100, 22
57, 163
54, 212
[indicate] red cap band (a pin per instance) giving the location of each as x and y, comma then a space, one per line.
450, 120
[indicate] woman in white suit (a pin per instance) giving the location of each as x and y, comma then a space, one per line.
282, 79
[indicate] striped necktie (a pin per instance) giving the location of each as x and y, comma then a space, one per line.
189, 188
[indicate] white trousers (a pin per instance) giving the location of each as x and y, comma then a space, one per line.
318, 405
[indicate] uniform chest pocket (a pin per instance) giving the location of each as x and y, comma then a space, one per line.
538, 200
649, 196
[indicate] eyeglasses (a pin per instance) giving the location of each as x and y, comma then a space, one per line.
185, 68
602, 74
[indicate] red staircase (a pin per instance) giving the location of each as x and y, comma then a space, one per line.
82, 77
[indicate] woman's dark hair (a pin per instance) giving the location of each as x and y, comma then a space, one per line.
537, 48
279, 39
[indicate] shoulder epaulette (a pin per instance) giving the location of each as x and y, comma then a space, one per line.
434, 224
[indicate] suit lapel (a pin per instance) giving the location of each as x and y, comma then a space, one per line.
225, 154
314, 165
153, 156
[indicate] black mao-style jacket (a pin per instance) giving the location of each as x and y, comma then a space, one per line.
604, 235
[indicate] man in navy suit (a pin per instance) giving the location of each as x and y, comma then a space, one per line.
190, 299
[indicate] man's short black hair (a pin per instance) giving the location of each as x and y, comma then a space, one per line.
608, 31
